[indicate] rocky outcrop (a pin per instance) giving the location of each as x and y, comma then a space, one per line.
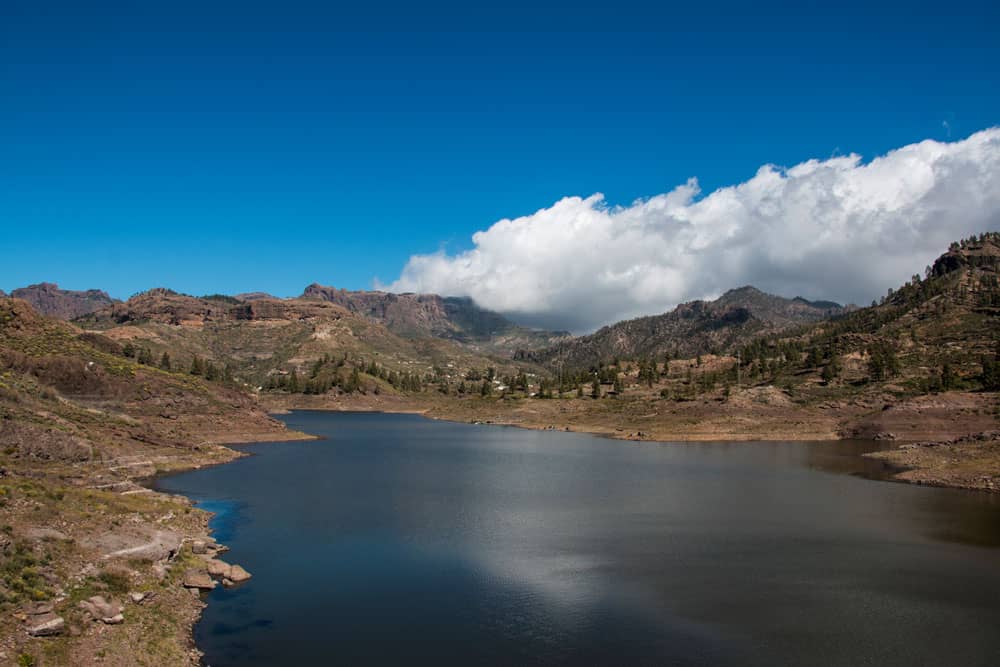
45, 625
237, 574
429, 315
40, 620
100, 609
199, 580
49, 300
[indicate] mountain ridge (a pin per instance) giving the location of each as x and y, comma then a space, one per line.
49, 299
460, 319
691, 328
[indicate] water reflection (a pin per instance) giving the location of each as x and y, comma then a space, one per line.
400, 538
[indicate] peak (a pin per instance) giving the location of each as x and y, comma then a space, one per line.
158, 291
316, 288
976, 251
746, 289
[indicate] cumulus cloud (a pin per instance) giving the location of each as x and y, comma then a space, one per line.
838, 229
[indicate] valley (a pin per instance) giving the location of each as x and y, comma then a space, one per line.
95, 401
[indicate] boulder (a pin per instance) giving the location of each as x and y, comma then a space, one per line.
199, 547
237, 574
101, 609
46, 625
38, 608
218, 568
40, 534
198, 580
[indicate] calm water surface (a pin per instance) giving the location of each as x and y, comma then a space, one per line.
397, 539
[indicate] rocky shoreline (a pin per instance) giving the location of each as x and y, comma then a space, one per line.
945, 440
111, 571
124, 568
970, 462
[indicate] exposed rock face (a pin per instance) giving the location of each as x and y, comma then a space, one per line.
430, 315
691, 328
45, 625
49, 300
982, 254
168, 307
237, 574
254, 296
219, 568
103, 610
199, 580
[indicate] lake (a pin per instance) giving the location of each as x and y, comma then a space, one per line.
398, 539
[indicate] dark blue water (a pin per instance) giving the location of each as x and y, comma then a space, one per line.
403, 540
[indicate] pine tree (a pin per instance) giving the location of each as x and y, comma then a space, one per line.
486, 389
948, 377
831, 370
196, 367
595, 389
165, 361
293, 382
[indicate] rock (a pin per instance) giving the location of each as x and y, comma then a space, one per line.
198, 580
228, 583
199, 547
159, 545
40, 534
137, 597
102, 610
38, 608
46, 625
219, 568
160, 570
237, 574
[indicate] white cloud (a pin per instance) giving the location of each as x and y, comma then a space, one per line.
834, 229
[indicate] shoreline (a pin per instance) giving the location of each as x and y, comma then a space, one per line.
107, 533
158, 511
917, 459
897, 471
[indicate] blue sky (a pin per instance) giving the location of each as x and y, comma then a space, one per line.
255, 147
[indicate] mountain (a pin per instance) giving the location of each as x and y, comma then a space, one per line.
692, 328
935, 332
49, 300
428, 315
253, 296
68, 394
265, 339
